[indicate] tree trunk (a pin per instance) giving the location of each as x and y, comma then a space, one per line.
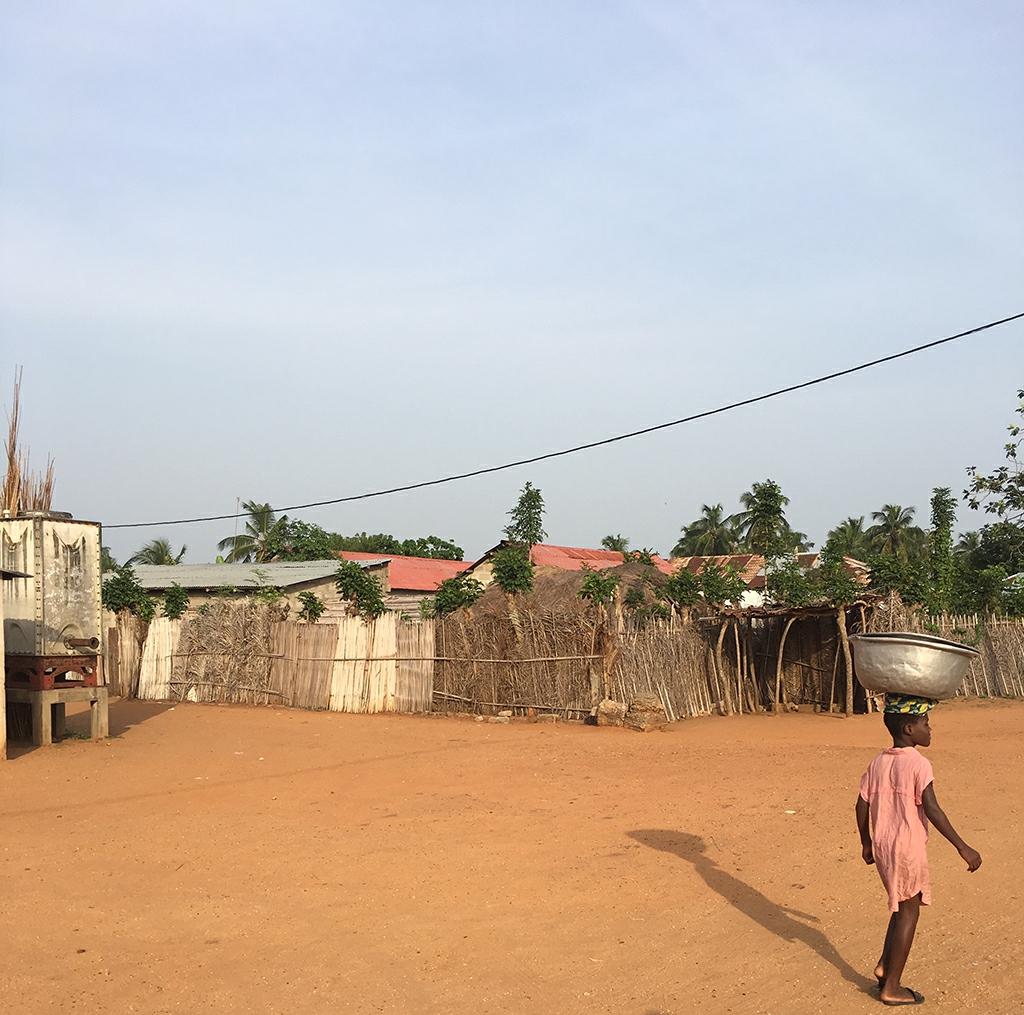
740, 668
778, 663
847, 659
720, 663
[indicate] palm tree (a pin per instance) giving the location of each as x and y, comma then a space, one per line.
968, 546
850, 538
260, 540
712, 534
618, 542
762, 524
158, 551
894, 532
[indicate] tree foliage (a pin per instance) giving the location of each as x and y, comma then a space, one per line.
618, 543
158, 551
683, 588
940, 549
312, 607
712, 534
361, 589
721, 585
894, 532
599, 586
260, 541
175, 601
455, 594
107, 560
526, 519
512, 569
122, 591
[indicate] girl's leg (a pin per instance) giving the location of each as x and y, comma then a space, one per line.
899, 950
883, 962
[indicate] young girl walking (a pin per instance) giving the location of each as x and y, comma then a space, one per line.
895, 805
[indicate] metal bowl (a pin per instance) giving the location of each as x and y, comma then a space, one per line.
900, 662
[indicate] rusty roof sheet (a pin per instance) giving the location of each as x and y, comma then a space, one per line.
413, 574
575, 558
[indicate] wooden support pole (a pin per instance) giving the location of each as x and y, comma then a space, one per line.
847, 659
778, 663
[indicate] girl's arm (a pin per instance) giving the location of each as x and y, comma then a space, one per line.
938, 818
864, 827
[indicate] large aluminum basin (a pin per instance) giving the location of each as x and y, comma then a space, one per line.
904, 663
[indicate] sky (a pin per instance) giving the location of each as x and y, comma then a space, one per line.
294, 251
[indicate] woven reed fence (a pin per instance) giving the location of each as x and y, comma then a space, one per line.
246, 653
999, 670
536, 660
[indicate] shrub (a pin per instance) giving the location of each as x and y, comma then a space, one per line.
361, 589
513, 570
312, 607
175, 601
455, 594
599, 586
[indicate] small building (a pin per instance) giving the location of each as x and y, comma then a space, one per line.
208, 582
410, 580
561, 558
5, 576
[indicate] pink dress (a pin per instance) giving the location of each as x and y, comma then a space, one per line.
893, 786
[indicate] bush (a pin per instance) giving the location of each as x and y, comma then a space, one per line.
455, 594
598, 586
312, 607
361, 589
682, 589
175, 601
512, 569
122, 591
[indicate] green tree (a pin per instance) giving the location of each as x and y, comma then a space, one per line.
683, 588
262, 538
967, 547
157, 551
720, 585
617, 543
599, 586
526, 519
940, 549
762, 523
894, 533
713, 534
107, 560
122, 591
1001, 492
312, 607
850, 538
456, 594
361, 589
175, 601
512, 569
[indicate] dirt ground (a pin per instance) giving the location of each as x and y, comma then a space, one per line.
226, 859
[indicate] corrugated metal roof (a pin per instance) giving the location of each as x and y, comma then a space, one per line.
279, 574
749, 565
413, 574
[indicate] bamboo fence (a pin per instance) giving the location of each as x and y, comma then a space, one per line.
534, 660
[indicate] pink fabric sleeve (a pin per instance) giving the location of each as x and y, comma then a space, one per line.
923, 777
864, 787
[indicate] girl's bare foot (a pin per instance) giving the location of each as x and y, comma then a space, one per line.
900, 996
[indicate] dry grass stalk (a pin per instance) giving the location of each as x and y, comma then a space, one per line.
225, 654
22, 489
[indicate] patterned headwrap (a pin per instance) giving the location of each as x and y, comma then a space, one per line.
908, 704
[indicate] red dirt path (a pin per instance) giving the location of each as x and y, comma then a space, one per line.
213, 859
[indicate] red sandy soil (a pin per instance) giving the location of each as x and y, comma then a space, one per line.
228, 859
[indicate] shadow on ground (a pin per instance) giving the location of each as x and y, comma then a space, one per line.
788, 924
125, 714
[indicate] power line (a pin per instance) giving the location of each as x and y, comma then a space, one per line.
592, 444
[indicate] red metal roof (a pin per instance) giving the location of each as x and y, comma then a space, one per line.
413, 574
575, 558
747, 564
